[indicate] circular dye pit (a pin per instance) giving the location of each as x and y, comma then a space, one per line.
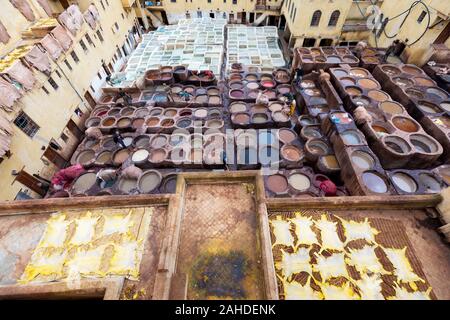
374, 182
214, 100
121, 156
158, 141
152, 122
307, 84
404, 182
331, 162
213, 91
142, 141
202, 98
424, 82
317, 147
85, 157
140, 156
347, 81
412, 70
114, 112
201, 113
379, 129
311, 132
446, 106
241, 118
127, 112
108, 122
361, 101
362, 160
201, 91
169, 184
128, 141
391, 107
104, 157
170, 113
251, 77
351, 138
430, 183
405, 124
149, 181
84, 182
353, 91
126, 185
279, 116
403, 82
155, 112
268, 84
90, 143
236, 107
158, 155
299, 182
184, 123
277, 183
176, 89
424, 144
237, 94
437, 92
306, 121
108, 143
275, 106
292, 153
391, 71
287, 136
167, 123
350, 59
137, 123
214, 124
93, 122
428, 107
283, 89
259, 109
368, 83
378, 95
397, 144
340, 73
334, 59
251, 86
359, 73
258, 118
124, 122
313, 92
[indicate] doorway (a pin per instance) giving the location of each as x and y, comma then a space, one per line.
30, 182
54, 157
444, 35
282, 24
90, 99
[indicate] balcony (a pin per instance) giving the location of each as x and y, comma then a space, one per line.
355, 26
154, 5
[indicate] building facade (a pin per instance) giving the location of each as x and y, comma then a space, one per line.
57, 84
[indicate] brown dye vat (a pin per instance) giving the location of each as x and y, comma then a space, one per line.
201, 99
282, 76
126, 185
287, 136
315, 52
307, 84
137, 123
412, 70
108, 122
127, 112
403, 82
374, 182
424, 82
391, 107
104, 157
368, 84
260, 118
241, 118
184, 123
153, 74
92, 122
107, 99
379, 129
291, 153
166, 123
413, 93
158, 141
349, 59
237, 94
149, 181
331, 162
258, 108
320, 59
166, 76
266, 77
201, 113
158, 155
236, 107
121, 156
152, 122
277, 183
371, 59
142, 141
357, 72
275, 106
84, 182
438, 92
235, 77
362, 160
378, 95
170, 113
123, 122
353, 91
251, 77
279, 116
405, 124
156, 112
252, 85
347, 81
86, 156
428, 107
214, 100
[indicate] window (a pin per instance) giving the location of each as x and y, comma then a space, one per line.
199, 14
45, 90
234, 1
89, 40
116, 26
53, 83
58, 74
68, 65
99, 75
74, 57
99, 34
64, 138
83, 45
422, 16
334, 18
316, 18
309, 42
28, 126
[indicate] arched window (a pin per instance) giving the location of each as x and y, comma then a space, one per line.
334, 18
316, 18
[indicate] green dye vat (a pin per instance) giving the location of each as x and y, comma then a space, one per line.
221, 274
